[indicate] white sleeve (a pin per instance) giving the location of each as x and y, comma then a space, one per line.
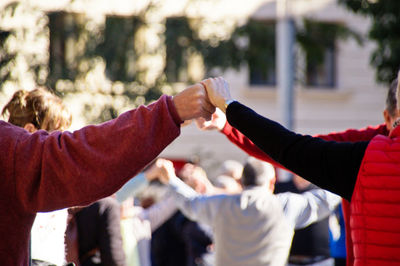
194, 206
158, 213
308, 207
133, 187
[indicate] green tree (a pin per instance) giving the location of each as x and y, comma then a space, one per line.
384, 31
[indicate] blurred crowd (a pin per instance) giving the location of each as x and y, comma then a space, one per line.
143, 225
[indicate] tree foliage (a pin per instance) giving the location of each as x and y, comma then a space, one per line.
385, 31
121, 62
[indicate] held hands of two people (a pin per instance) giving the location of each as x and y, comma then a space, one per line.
218, 92
193, 103
200, 100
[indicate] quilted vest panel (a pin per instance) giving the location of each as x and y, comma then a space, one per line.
375, 205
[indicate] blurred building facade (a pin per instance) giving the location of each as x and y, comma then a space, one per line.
337, 93
342, 94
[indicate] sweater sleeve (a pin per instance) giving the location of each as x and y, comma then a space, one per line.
160, 212
330, 165
196, 207
244, 143
308, 207
351, 135
76, 168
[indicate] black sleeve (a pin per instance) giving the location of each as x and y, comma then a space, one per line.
330, 165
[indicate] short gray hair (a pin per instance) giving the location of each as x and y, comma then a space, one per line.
257, 173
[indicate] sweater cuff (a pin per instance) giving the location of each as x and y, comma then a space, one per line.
227, 130
173, 111
230, 110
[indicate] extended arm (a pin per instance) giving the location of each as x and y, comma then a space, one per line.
308, 207
220, 123
350, 135
193, 205
68, 169
132, 187
160, 212
330, 165
43, 172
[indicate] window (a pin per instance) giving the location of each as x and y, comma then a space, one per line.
260, 54
317, 40
63, 34
178, 40
118, 47
322, 75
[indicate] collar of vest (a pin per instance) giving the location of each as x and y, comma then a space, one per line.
395, 132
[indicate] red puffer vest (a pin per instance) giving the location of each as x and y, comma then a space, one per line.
375, 205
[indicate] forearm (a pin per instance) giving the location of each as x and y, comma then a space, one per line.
193, 205
309, 207
160, 212
350, 135
80, 167
320, 204
132, 187
329, 165
244, 143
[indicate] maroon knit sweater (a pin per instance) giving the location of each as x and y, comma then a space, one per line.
44, 172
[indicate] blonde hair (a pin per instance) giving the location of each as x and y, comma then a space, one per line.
40, 107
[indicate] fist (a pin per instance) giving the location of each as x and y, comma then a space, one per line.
166, 170
218, 91
193, 103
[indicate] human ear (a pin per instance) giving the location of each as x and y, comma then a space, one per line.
30, 127
388, 119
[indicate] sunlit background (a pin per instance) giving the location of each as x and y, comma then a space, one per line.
104, 57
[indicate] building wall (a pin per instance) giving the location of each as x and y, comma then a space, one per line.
356, 102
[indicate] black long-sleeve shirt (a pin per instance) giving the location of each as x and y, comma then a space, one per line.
330, 165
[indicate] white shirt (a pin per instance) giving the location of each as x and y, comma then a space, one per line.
47, 236
254, 227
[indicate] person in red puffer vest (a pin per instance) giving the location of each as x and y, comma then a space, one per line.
365, 173
220, 123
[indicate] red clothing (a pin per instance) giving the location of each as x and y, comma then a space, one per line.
351, 135
375, 210
44, 172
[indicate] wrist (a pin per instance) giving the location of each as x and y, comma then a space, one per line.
227, 103
174, 110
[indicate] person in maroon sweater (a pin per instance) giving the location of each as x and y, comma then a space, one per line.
219, 122
48, 171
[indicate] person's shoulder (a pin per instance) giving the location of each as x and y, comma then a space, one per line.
10, 135
10, 129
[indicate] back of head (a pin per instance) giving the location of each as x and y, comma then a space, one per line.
40, 107
257, 173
